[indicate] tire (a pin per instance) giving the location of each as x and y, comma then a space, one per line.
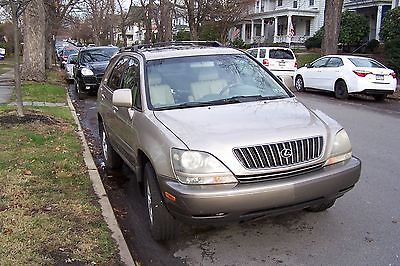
321, 207
112, 159
379, 97
79, 92
299, 84
341, 91
162, 224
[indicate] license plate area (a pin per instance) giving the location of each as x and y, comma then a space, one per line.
282, 63
380, 77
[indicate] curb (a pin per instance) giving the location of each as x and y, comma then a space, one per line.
98, 187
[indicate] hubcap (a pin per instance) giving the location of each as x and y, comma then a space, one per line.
299, 84
104, 144
149, 208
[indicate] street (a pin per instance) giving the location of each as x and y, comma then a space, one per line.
363, 227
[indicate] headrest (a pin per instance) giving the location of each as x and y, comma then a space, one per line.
208, 76
154, 79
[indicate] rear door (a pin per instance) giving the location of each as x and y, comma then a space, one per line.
281, 59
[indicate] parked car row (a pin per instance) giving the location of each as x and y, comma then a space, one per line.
341, 74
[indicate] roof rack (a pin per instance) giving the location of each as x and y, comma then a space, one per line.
174, 43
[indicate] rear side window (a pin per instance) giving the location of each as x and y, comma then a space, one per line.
253, 53
280, 54
262, 53
366, 62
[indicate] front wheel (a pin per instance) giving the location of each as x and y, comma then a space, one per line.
341, 91
162, 224
321, 207
299, 83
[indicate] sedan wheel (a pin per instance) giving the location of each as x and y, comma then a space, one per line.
111, 158
341, 90
299, 83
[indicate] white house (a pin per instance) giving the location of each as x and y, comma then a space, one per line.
395, 3
134, 34
374, 10
281, 21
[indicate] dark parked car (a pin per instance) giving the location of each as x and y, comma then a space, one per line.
90, 68
65, 53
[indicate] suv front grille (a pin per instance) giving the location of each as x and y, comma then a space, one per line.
280, 154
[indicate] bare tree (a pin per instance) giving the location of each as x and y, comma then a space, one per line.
165, 25
17, 9
148, 7
124, 18
332, 17
197, 11
33, 67
99, 13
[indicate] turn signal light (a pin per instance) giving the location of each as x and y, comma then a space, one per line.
169, 196
361, 73
265, 62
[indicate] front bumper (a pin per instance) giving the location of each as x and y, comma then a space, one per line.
220, 203
90, 82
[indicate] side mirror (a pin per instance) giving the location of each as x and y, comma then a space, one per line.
308, 66
122, 98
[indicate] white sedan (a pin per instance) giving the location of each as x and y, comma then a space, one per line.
345, 74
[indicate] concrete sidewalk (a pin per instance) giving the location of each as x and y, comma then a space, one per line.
6, 86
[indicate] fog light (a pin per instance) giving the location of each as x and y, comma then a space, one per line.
87, 87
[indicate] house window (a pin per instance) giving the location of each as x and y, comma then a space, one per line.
308, 27
311, 2
279, 2
295, 4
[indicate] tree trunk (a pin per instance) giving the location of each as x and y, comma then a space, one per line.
17, 76
34, 42
333, 11
194, 34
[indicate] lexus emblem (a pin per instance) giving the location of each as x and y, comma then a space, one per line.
286, 153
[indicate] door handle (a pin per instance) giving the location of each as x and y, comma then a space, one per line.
103, 97
115, 109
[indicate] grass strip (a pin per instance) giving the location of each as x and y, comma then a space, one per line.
48, 211
306, 58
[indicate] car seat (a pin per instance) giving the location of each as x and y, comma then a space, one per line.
208, 83
160, 94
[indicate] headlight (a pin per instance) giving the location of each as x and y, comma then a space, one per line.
341, 149
199, 168
87, 72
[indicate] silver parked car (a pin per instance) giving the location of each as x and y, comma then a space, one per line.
213, 136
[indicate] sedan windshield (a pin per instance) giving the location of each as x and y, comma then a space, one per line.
209, 80
98, 55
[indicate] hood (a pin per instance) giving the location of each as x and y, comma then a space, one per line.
98, 67
219, 129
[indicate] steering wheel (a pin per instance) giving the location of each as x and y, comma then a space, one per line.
228, 87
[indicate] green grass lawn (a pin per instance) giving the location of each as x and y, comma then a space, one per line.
6, 65
305, 58
42, 92
48, 211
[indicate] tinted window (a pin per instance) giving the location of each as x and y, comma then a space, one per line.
334, 62
132, 81
72, 57
97, 55
114, 82
69, 51
280, 54
365, 62
253, 53
320, 62
262, 53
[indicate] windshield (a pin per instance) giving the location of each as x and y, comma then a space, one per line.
209, 80
98, 55
72, 57
365, 62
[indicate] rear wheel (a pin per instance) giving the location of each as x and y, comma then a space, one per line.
111, 158
321, 207
379, 97
162, 224
341, 90
299, 83
79, 92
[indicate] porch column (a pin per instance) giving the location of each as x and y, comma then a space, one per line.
289, 22
259, 6
262, 28
244, 32
378, 22
252, 32
275, 28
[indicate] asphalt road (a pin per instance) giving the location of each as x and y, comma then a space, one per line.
363, 227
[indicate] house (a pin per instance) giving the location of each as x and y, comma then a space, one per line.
281, 21
134, 34
374, 10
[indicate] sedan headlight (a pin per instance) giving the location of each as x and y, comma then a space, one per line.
87, 72
199, 168
341, 149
